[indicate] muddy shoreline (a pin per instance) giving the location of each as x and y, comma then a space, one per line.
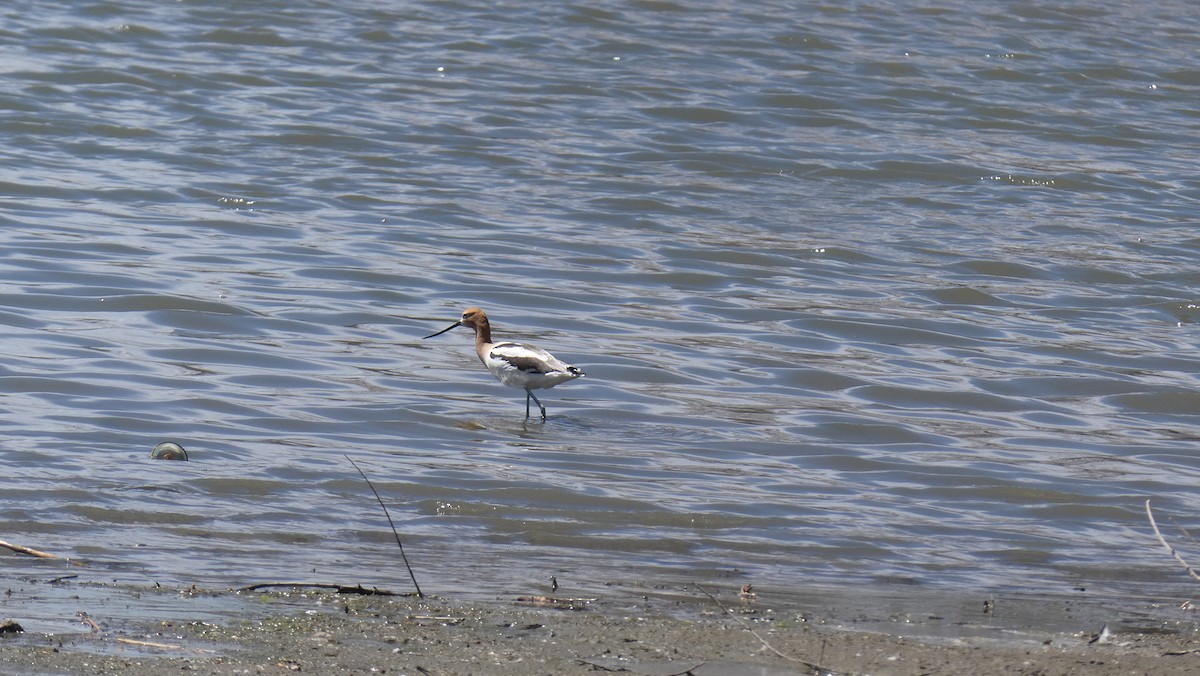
637, 628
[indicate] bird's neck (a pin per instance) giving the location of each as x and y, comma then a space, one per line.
483, 333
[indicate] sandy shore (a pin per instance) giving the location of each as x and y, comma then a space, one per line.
633, 630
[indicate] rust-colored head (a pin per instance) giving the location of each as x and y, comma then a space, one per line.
472, 318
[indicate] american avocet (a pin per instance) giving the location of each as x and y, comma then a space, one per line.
515, 364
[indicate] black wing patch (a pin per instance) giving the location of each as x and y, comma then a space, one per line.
525, 358
526, 364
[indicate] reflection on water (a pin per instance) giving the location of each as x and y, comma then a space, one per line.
850, 309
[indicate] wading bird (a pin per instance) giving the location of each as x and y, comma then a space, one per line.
515, 364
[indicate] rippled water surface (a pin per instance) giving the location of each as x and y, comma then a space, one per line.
864, 292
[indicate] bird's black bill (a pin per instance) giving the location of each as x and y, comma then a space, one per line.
455, 325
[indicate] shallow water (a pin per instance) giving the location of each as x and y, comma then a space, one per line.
864, 293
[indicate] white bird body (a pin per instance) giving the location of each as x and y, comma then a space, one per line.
526, 367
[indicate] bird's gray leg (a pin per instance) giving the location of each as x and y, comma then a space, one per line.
535, 400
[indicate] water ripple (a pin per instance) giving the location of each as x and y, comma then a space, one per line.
851, 308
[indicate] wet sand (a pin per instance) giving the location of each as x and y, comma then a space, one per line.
633, 629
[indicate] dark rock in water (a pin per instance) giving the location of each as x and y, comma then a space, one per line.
11, 627
168, 450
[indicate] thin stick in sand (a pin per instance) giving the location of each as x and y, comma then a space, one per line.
1150, 516
765, 642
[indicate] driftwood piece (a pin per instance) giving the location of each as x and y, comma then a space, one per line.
22, 549
87, 619
339, 588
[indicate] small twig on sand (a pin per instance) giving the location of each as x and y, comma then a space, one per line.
161, 646
149, 644
556, 602
617, 667
816, 668
440, 619
21, 549
341, 589
393, 525
1150, 515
